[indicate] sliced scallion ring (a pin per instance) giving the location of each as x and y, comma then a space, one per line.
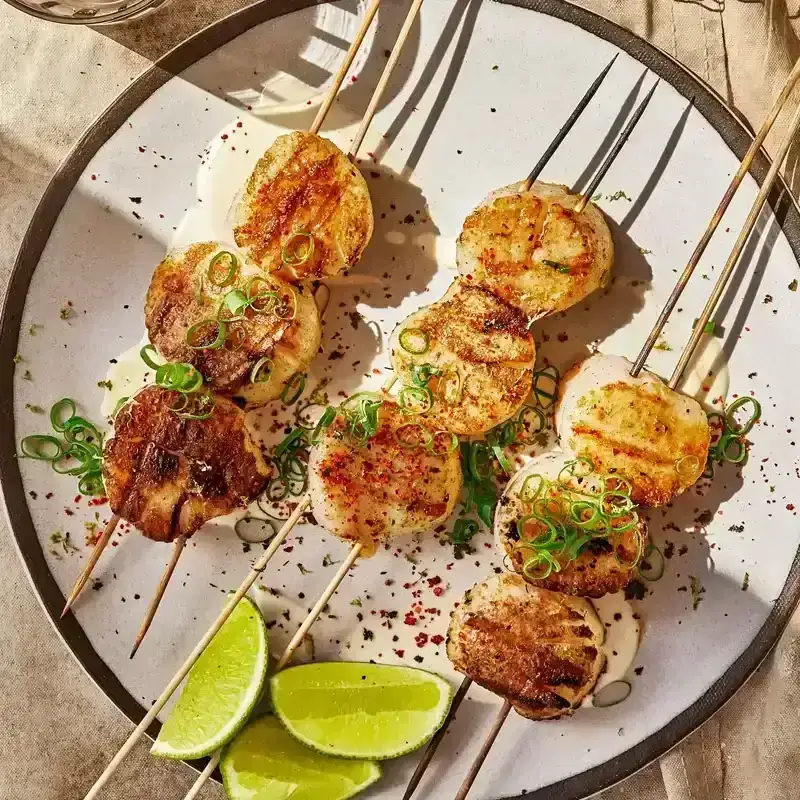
222, 269
294, 387
41, 447
745, 427
652, 565
412, 435
298, 249
144, 354
262, 370
415, 399
414, 340
208, 334
58, 419
442, 443
254, 530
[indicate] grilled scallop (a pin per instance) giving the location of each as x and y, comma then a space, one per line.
190, 286
305, 210
533, 250
168, 476
480, 354
636, 428
604, 564
373, 492
539, 649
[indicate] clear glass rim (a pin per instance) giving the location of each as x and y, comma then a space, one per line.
116, 16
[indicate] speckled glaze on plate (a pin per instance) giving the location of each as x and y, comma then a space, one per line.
478, 95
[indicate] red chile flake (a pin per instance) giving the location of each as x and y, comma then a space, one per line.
399, 653
224, 136
790, 506
410, 619
438, 591
437, 640
434, 581
421, 639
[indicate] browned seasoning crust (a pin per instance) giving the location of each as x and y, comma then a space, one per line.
374, 492
483, 341
180, 296
639, 429
533, 250
539, 649
304, 183
168, 476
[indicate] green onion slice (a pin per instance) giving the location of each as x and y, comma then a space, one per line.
298, 249
652, 566
144, 354
236, 302
324, 423
41, 448
222, 269
545, 385
254, 530
745, 427
442, 443
414, 340
464, 530
415, 399
208, 334
262, 370
58, 419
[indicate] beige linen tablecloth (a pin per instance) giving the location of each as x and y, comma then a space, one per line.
57, 730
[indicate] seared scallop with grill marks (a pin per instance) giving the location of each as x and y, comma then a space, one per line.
466, 360
635, 428
540, 650
564, 527
305, 211
168, 473
245, 331
533, 249
370, 486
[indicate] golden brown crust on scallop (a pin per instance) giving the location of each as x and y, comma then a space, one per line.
534, 251
168, 476
304, 183
485, 351
181, 295
541, 650
382, 489
644, 431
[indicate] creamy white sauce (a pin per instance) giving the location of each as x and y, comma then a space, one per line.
127, 376
621, 642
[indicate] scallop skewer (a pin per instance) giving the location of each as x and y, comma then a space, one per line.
108, 532
353, 204
686, 355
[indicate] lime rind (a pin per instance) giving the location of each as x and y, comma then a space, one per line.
361, 711
203, 720
264, 761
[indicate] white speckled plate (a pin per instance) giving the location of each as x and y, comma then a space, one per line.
478, 96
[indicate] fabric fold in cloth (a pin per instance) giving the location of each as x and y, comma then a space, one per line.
58, 730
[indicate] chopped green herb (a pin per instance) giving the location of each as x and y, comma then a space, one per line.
598, 197
793, 286
34, 409
356, 601
32, 329
662, 345
495, 68
644, 251
17, 358
746, 581
620, 195
105, 385
697, 592
63, 540
303, 570
556, 265
327, 560
66, 312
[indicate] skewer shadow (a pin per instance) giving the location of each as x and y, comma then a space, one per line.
465, 11
610, 137
289, 59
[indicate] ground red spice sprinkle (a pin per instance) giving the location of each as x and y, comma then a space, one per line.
77, 498
421, 639
409, 619
95, 501
437, 640
790, 506
239, 124
224, 136
399, 653
69, 513
434, 581
438, 591
48, 495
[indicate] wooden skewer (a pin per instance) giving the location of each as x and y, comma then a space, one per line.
296, 641
83, 578
433, 745
258, 567
615, 150
733, 259
345, 68
384, 80
180, 543
744, 168
567, 126
485, 748
315, 126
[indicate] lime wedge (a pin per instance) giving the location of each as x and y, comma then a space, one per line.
266, 763
353, 710
221, 690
